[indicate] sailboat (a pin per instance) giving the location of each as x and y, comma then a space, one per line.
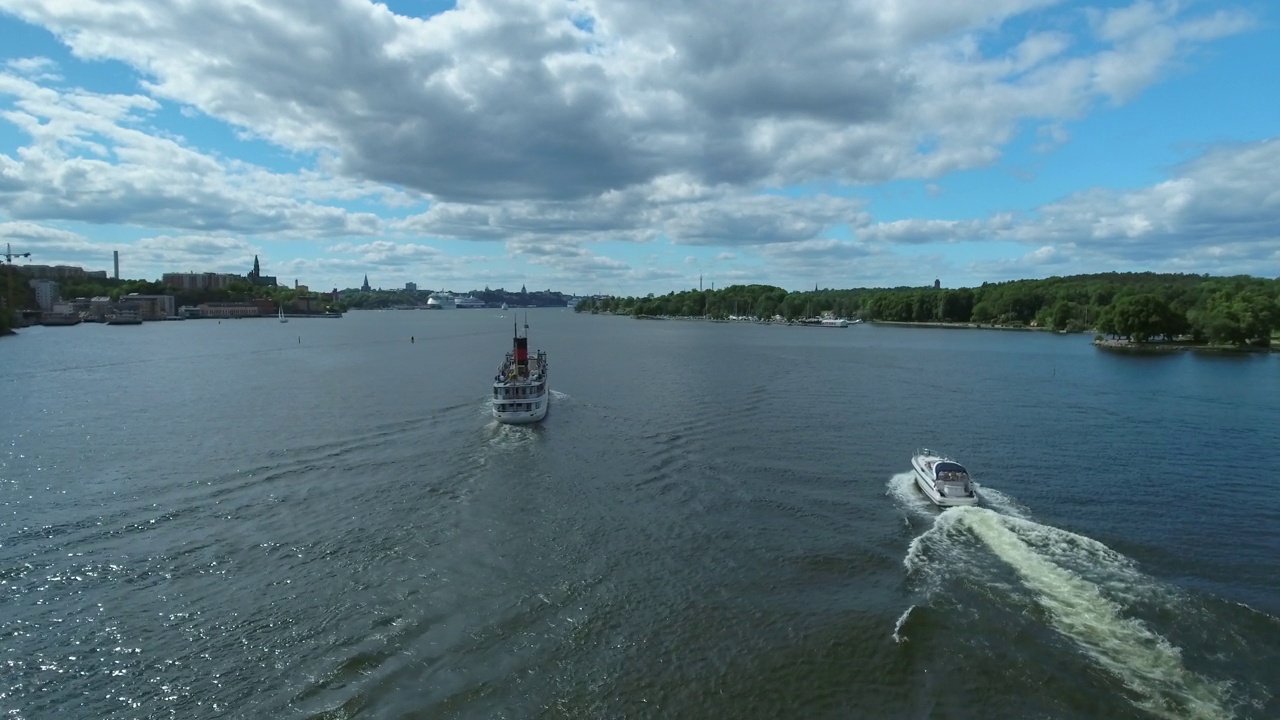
282, 317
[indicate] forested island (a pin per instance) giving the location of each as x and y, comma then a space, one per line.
1127, 308
375, 299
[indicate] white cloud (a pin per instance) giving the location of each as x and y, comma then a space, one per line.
90, 162
36, 69
1219, 211
499, 101
551, 125
385, 252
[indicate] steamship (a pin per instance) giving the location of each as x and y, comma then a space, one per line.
520, 393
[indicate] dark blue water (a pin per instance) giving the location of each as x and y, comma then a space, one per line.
320, 519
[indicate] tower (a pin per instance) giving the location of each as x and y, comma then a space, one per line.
115, 257
365, 286
937, 283
257, 271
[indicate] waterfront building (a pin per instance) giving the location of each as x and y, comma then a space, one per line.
46, 293
150, 307
200, 281
100, 306
229, 310
308, 303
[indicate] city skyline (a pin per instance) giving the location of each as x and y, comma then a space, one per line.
629, 148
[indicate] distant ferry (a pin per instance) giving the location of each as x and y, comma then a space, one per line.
467, 301
520, 392
441, 301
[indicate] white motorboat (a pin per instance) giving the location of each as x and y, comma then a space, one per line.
943, 480
520, 393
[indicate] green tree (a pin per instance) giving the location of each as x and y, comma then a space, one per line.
1144, 317
1062, 313
1237, 318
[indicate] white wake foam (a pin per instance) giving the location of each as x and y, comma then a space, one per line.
1000, 502
902, 488
898, 637
1052, 564
1083, 585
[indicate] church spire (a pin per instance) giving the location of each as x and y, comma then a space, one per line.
365, 286
256, 269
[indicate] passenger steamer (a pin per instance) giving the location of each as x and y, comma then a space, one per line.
520, 393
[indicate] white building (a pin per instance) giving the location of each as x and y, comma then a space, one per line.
46, 293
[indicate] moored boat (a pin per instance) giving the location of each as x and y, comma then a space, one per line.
520, 393
124, 317
943, 480
63, 318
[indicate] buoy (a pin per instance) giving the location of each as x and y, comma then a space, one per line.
410, 339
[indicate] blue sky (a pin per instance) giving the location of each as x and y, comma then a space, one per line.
630, 147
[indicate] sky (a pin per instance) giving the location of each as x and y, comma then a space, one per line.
642, 146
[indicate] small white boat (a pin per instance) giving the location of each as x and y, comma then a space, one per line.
943, 480
282, 317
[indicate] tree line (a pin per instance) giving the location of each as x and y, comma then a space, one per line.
1140, 307
374, 299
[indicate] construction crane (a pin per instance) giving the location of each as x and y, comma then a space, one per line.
9, 255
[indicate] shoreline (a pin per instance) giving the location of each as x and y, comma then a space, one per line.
1103, 344
971, 326
1153, 348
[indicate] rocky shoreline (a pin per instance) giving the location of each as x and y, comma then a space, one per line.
1123, 345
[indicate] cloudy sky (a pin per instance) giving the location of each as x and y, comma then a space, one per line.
630, 146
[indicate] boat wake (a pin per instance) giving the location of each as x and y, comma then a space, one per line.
902, 488
1083, 590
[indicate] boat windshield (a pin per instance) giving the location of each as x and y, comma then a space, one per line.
949, 471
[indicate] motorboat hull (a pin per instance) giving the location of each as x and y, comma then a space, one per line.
942, 494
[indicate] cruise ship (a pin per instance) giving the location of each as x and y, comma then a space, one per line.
467, 301
441, 301
520, 394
